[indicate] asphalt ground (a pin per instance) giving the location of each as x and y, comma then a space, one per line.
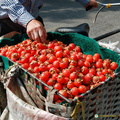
68, 13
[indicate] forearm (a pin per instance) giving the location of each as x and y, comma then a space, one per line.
83, 2
16, 11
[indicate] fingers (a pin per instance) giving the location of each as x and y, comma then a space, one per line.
36, 31
92, 4
38, 35
42, 36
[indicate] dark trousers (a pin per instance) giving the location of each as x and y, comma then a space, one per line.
6, 26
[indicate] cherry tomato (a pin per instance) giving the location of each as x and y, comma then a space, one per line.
59, 54
51, 45
89, 58
45, 76
99, 64
70, 85
92, 71
36, 69
58, 86
77, 49
58, 48
87, 78
52, 59
113, 65
85, 70
60, 79
25, 65
56, 64
74, 91
66, 53
73, 76
82, 88
66, 72
80, 63
87, 64
42, 58
63, 93
71, 46
96, 57
63, 65
102, 78
77, 82
51, 82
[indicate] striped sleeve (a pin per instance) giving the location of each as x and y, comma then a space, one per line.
16, 11
83, 2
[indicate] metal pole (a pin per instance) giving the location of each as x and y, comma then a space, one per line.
106, 35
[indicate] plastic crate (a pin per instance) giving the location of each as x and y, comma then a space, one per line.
100, 103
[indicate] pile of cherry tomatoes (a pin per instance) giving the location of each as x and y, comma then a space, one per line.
62, 66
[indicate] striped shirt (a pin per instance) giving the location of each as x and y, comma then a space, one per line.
22, 11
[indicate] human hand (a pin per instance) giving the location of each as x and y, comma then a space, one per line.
36, 31
91, 4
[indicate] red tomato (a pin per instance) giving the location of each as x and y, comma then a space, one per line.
58, 48
63, 65
58, 86
99, 64
82, 89
70, 85
73, 76
51, 45
102, 78
113, 65
54, 76
71, 46
36, 69
87, 64
74, 91
92, 71
66, 72
106, 64
85, 70
59, 54
105, 71
74, 57
77, 49
52, 59
96, 57
56, 64
27, 55
87, 78
25, 65
43, 67
66, 53
60, 79
51, 82
32, 58
89, 58
45, 76
63, 93
80, 63
42, 58
77, 82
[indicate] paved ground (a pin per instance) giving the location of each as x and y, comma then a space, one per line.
68, 13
